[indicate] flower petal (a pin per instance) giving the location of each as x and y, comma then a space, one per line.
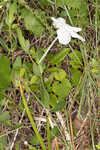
64, 36
59, 22
75, 35
75, 29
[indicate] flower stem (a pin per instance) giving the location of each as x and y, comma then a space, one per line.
48, 50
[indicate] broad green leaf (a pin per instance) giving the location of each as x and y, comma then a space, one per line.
40, 15
17, 64
15, 74
24, 43
49, 79
33, 53
53, 69
55, 132
34, 79
34, 140
36, 69
61, 89
4, 116
59, 106
75, 74
45, 99
12, 11
74, 4
5, 74
32, 23
60, 74
53, 100
57, 58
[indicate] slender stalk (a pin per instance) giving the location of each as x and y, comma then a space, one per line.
96, 28
48, 134
20, 121
31, 119
48, 50
9, 132
68, 15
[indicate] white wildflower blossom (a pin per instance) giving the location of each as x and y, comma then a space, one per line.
64, 34
25, 142
65, 31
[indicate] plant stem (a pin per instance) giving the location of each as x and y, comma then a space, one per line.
48, 50
31, 119
96, 28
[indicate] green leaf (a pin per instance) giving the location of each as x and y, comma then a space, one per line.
22, 2
24, 43
76, 59
45, 99
44, 2
15, 74
32, 23
59, 3
3, 143
36, 69
57, 58
60, 75
4, 116
40, 15
34, 140
61, 89
5, 75
17, 64
12, 11
17, 146
3, 3
4, 45
53, 69
61, 105
53, 100
54, 132
34, 79
76, 74
74, 4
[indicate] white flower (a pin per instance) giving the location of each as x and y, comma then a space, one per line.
64, 34
25, 143
65, 31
